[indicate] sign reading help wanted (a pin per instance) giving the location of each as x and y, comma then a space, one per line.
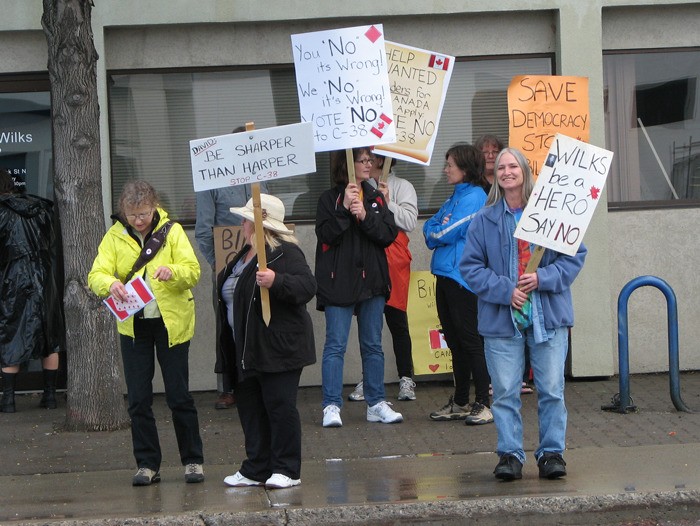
252, 156
343, 87
419, 81
566, 193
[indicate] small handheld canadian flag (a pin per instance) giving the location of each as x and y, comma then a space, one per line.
139, 296
439, 62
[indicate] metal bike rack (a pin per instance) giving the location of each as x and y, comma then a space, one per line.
621, 402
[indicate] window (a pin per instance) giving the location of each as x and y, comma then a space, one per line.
476, 104
652, 125
25, 132
154, 115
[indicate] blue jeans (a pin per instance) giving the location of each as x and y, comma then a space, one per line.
370, 321
505, 358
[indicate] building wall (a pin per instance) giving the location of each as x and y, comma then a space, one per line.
132, 34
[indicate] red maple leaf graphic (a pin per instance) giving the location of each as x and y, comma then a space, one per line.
380, 125
439, 62
595, 192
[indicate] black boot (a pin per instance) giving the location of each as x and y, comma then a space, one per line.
7, 403
48, 399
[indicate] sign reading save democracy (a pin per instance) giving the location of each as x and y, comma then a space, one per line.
539, 107
252, 156
418, 81
343, 87
565, 195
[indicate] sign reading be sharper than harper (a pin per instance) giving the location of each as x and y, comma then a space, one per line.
252, 156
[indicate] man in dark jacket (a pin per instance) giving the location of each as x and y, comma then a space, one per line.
353, 227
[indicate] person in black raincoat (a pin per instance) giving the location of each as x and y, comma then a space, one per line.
31, 319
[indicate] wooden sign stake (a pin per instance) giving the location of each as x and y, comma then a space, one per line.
260, 241
350, 161
386, 168
535, 259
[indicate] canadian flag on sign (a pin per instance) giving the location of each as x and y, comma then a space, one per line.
437, 339
439, 62
379, 127
139, 295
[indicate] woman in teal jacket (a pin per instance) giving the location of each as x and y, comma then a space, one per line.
166, 324
445, 235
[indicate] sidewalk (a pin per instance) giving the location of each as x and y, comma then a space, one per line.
418, 472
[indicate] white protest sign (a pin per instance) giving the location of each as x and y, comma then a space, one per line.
252, 156
566, 193
418, 80
343, 87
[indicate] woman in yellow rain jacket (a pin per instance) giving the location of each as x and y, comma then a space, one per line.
166, 325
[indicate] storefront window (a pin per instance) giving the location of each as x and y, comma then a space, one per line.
652, 125
26, 152
25, 140
153, 116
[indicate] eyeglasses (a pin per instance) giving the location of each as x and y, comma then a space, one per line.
491, 153
140, 217
365, 161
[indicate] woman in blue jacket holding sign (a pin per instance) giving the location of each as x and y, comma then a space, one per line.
445, 234
518, 307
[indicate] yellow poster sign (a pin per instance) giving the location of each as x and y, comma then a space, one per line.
418, 80
539, 107
430, 352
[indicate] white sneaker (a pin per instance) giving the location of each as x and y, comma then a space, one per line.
331, 416
381, 412
358, 395
279, 481
407, 388
239, 481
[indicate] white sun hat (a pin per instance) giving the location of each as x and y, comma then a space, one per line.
272, 213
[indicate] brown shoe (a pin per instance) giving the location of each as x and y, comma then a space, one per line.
225, 401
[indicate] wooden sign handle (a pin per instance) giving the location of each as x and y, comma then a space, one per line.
260, 242
386, 168
350, 161
535, 259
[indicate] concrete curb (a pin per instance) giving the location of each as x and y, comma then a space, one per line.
550, 510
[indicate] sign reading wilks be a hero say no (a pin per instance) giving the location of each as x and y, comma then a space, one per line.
565, 196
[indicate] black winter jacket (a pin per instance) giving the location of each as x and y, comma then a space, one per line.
288, 342
31, 319
351, 263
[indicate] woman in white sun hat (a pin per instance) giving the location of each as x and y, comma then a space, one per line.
266, 361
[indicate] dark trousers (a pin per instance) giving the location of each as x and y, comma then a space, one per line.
139, 368
397, 321
457, 310
223, 378
267, 408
